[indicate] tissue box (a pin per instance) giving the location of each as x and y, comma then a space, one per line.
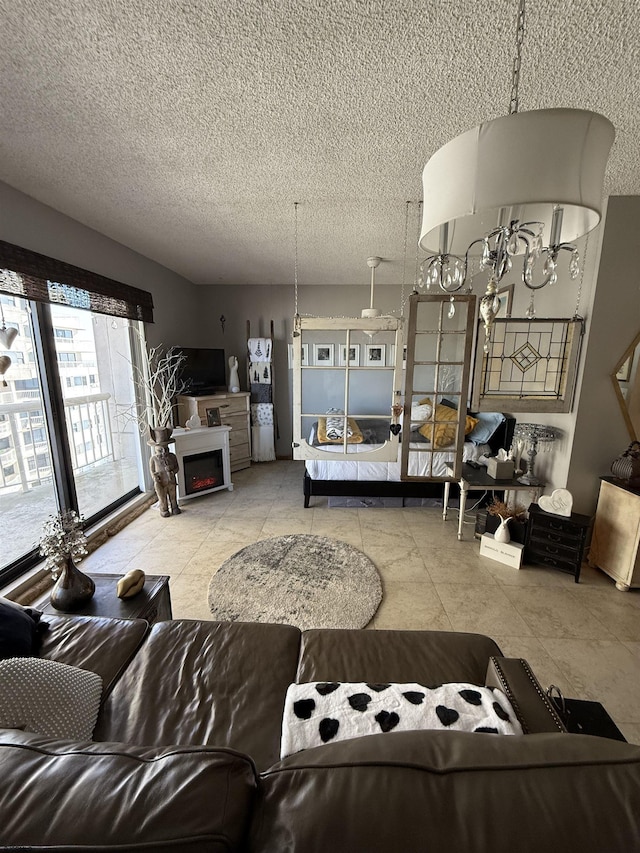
500, 470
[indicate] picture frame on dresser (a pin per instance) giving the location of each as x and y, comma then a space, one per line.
214, 418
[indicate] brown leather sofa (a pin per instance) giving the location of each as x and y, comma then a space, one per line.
185, 755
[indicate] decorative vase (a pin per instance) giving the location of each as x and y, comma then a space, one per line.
160, 435
502, 533
72, 589
234, 381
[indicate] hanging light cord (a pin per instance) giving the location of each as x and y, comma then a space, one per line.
415, 280
404, 258
517, 60
295, 260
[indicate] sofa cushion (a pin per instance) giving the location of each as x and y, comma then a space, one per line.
428, 657
20, 630
103, 646
453, 791
110, 796
219, 683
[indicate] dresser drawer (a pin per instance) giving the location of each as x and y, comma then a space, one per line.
541, 557
567, 540
233, 407
238, 436
543, 545
558, 528
234, 421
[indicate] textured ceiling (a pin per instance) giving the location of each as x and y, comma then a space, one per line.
187, 129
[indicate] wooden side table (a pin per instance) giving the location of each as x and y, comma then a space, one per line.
152, 603
477, 480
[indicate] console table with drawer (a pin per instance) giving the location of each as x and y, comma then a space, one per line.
234, 412
556, 541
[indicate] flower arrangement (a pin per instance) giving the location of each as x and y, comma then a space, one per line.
518, 511
62, 537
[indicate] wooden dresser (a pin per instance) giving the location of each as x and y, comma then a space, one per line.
234, 412
615, 544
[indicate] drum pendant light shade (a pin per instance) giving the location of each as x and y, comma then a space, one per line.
517, 167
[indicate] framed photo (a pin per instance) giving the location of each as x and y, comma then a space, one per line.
374, 355
323, 355
305, 355
505, 295
354, 355
213, 417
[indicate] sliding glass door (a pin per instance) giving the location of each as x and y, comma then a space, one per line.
27, 492
91, 458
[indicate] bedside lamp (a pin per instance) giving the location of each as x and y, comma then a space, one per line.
534, 435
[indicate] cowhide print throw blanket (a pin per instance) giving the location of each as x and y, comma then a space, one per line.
320, 712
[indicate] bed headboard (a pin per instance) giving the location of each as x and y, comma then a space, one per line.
503, 436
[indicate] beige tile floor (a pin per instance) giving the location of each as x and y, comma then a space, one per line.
583, 637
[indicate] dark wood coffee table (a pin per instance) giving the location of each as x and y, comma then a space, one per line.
152, 603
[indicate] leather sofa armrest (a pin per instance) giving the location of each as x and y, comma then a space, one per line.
516, 680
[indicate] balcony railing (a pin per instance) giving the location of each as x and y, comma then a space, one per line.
91, 437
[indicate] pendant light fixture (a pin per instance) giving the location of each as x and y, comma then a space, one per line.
371, 312
521, 187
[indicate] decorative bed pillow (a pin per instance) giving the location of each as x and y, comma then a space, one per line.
20, 629
421, 411
320, 712
49, 698
354, 433
487, 424
443, 433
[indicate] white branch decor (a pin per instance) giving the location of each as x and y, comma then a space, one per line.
157, 380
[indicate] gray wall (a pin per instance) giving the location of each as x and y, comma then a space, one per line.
258, 305
600, 430
36, 226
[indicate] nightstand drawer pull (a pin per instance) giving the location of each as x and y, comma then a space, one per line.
554, 538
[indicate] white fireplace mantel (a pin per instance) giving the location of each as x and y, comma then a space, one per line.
190, 442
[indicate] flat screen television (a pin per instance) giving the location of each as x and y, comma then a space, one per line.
204, 371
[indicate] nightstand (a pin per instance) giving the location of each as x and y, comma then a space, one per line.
152, 603
555, 540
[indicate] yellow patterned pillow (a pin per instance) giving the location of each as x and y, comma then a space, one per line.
356, 436
443, 432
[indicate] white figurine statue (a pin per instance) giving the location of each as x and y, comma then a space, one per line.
234, 382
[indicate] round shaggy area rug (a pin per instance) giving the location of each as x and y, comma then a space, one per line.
301, 580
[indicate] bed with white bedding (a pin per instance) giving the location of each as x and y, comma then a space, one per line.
360, 478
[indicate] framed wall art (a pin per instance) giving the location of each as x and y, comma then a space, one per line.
354, 355
323, 355
304, 352
530, 365
375, 355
